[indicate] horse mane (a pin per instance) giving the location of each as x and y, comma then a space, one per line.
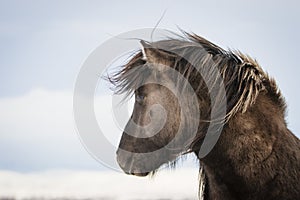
243, 77
247, 87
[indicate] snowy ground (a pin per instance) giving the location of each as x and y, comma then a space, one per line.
180, 184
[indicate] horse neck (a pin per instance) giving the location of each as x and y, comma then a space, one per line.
246, 143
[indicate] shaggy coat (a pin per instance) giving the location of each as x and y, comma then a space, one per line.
256, 156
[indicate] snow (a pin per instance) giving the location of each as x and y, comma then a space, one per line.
168, 184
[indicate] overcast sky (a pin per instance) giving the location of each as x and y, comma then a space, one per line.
44, 43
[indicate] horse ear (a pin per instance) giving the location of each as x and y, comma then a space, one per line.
146, 50
153, 54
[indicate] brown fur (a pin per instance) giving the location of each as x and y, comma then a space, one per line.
256, 156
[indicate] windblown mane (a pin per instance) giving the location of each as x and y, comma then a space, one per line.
216, 76
243, 77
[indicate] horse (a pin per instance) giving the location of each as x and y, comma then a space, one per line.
177, 83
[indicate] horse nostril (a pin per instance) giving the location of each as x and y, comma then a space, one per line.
151, 113
120, 159
124, 160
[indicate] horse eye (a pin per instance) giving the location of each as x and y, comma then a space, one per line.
140, 97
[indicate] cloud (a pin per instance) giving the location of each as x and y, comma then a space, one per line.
37, 131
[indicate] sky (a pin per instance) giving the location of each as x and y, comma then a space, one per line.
45, 43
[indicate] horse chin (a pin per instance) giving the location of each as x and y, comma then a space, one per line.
136, 173
140, 174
